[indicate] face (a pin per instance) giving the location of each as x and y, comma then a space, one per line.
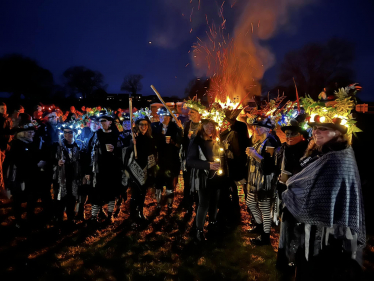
293, 137
105, 124
208, 129
259, 131
29, 135
3, 109
126, 125
94, 126
165, 119
72, 109
322, 135
68, 134
194, 116
143, 126
52, 118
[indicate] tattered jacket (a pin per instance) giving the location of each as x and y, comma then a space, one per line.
68, 180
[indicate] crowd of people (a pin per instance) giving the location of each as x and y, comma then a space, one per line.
309, 183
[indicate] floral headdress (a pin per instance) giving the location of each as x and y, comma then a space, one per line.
336, 111
195, 105
142, 114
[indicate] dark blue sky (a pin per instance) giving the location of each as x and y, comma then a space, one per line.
112, 37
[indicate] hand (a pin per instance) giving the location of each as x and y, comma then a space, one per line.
249, 151
61, 162
41, 164
87, 177
214, 166
110, 148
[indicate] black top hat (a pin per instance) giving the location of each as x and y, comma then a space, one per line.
25, 123
104, 115
263, 121
162, 111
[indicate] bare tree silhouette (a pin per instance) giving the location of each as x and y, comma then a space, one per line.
131, 84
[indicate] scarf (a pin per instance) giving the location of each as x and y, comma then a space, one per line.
328, 193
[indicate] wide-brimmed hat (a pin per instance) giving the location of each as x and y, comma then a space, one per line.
295, 126
26, 123
162, 111
263, 121
336, 124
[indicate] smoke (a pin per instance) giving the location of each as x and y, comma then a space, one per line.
237, 63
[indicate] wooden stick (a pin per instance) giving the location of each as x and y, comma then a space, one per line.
132, 132
167, 108
297, 96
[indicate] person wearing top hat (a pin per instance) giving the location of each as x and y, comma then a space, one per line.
83, 143
168, 138
287, 161
46, 135
22, 169
261, 169
104, 169
208, 175
234, 135
68, 176
328, 216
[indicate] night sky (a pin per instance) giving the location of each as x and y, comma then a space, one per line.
113, 37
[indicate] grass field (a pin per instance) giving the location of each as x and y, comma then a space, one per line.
162, 249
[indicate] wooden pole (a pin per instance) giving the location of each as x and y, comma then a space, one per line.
297, 96
132, 132
167, 108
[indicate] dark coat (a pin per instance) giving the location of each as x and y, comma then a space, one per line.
22, 163
68, 178
238, 140
168, 154
105, 166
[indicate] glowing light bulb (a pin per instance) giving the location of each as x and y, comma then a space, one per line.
322, 119
216, 160
217, 139
220, 172
312, 117
220, 149
79, 132
343, 122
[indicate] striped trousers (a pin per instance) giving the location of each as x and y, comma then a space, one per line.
261, 211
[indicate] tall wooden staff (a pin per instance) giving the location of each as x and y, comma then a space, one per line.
167, 108
132, 132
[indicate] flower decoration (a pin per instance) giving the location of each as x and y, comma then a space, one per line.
195, 105
142, 114
337, 111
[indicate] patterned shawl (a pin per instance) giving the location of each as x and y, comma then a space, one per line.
328, 193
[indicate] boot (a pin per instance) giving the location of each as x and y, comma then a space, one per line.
200, 236
263, 239
257, 228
